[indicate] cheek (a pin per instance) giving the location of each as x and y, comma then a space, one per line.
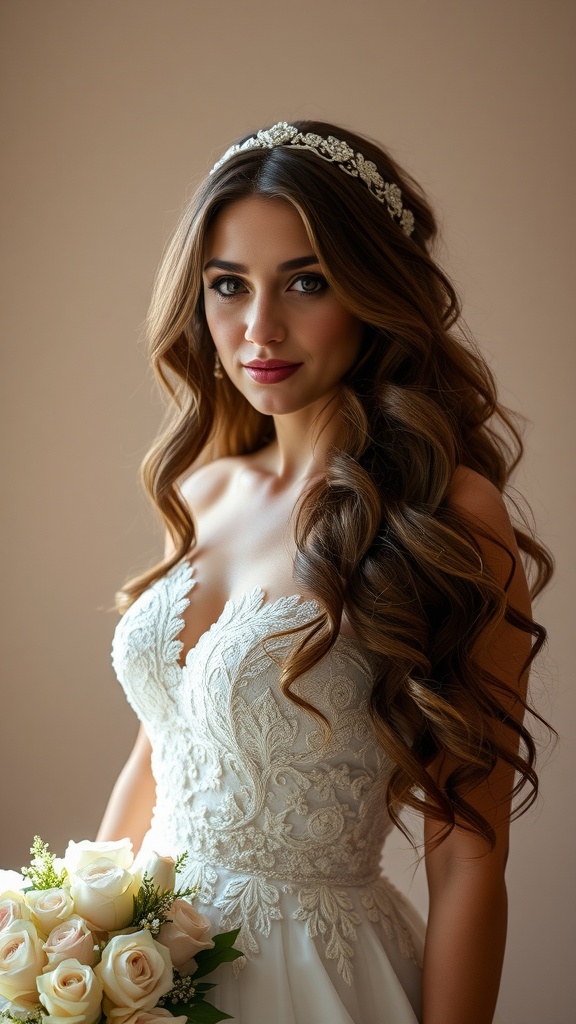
212, 320
224, 328
339, 335
215, 314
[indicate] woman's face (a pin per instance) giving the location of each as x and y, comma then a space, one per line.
283, 337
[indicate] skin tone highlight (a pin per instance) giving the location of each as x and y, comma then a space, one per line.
266, 298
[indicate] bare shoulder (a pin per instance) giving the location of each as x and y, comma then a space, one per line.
482, 504
203, 488
478, 499
206, 485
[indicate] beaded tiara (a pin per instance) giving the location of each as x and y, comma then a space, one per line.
335, 151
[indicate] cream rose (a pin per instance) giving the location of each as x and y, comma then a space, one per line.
49, 907
71, 940
71, 993
102, 893
185, 935
156, 1016
21, 961
12, 908
135, 972
79, 855
160, 869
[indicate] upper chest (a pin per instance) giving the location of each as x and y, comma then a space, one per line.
245, 539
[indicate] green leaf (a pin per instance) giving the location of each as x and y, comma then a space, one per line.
225, 938
205, 1013
180, 863
177, 1009
207, 960
180, 1009
198, 1012
223, 941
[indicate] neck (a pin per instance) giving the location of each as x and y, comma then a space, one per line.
303, 440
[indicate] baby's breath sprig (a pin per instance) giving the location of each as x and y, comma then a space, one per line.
152, 904
42, 873
31, 1017
183, 991
187, 999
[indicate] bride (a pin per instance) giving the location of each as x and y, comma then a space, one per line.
341, 625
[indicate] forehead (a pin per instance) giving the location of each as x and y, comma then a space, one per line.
257, 228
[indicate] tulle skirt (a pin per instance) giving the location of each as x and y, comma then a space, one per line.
292, 980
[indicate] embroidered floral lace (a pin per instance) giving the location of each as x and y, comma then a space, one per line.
264, 803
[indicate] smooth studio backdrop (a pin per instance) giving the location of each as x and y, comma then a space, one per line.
111, 111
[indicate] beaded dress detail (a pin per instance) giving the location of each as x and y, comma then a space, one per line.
283, 824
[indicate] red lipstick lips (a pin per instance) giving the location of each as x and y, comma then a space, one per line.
270, 371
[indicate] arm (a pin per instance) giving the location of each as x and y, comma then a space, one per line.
130, 807
466, 932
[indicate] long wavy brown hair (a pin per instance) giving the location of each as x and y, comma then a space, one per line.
376, 538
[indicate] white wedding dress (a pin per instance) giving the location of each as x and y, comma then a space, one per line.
283, 827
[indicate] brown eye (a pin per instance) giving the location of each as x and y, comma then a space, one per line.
309, 284
227, 286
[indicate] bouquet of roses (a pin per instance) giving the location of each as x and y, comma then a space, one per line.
99, 936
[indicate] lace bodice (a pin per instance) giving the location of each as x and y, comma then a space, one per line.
247, 782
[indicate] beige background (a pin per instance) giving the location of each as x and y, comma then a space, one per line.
111, 109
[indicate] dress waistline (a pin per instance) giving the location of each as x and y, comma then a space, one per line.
288, 878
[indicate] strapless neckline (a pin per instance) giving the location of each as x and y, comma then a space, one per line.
183, 572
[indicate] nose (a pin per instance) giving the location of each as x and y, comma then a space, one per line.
264, 321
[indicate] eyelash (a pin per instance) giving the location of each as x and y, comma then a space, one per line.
219, 281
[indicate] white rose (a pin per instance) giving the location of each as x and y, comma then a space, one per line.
71, 940
12, 908
11, 880
102, 894
21, 961
185, 935
79, 855
160, 869
49, 907
155, 1016
135, 972
71, 993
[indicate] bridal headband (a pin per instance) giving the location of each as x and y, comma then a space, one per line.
334, 151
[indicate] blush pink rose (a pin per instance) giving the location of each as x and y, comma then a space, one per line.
135, 971
156, 1016
12, 908
70, 940
185, 935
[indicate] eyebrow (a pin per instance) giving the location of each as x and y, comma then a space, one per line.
241, 268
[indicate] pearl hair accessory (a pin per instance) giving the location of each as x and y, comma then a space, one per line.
335, 151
